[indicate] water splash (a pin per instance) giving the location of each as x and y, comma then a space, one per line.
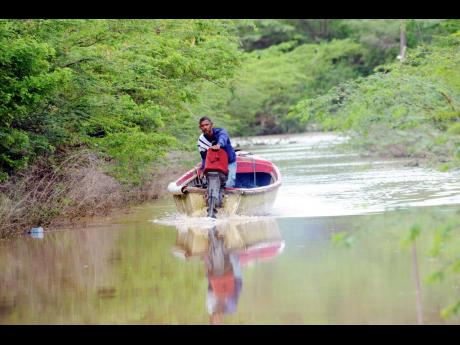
182, 221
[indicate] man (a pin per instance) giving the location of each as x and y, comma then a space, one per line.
216, 138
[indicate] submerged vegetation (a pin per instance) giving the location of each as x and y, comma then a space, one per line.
124, 96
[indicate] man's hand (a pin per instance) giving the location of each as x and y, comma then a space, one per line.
215, 147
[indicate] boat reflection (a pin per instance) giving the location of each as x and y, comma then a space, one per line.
225, 249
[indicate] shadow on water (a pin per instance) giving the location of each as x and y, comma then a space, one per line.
225, 250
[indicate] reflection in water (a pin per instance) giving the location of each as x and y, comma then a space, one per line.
46, 280
224, 278
416, 273
225, 249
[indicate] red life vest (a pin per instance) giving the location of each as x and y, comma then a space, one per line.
216, 161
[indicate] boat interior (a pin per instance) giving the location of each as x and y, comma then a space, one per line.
251, 180
242, 180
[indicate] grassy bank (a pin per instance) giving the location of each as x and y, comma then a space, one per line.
61, 191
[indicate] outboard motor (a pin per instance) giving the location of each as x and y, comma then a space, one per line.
216, 172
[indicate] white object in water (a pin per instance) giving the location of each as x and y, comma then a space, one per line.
37, 232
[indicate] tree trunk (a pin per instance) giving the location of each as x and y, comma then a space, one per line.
326, 29
402, 40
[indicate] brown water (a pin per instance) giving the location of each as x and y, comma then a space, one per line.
333, 251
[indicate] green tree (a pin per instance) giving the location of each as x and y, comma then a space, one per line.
127, 84
27, 83
414, 105
272, 80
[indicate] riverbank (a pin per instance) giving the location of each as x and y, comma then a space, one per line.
51, 194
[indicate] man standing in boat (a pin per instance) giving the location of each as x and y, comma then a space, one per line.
216, 138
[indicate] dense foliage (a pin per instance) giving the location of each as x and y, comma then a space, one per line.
116, 86
132, 90
290, 60
409, 109
276, 78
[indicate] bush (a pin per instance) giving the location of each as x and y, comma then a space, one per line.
421, 96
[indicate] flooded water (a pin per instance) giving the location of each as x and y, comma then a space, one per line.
350, 240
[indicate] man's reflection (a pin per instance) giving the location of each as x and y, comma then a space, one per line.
224, 278
226, 248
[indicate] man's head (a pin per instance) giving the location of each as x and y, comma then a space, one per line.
205, 124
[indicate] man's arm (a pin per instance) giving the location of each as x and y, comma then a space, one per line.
203, 145
223, 138
203, 158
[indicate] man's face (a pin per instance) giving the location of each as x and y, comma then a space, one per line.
206, 127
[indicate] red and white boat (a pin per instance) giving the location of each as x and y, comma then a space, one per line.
256, 186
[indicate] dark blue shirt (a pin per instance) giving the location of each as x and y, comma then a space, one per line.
220, 136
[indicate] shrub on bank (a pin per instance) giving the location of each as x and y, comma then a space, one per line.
60, 191
414, 104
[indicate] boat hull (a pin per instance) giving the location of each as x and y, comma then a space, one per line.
193, 203
258, 181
